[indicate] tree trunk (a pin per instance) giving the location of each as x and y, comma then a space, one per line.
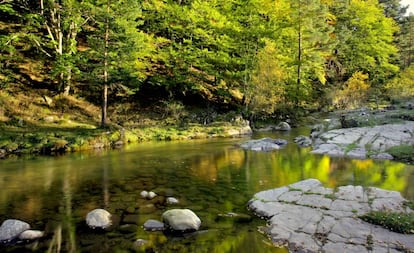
67, 83
105, 85
299, 56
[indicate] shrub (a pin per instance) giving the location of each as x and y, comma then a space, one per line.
402, 86
354, 93
397, 222
403, 152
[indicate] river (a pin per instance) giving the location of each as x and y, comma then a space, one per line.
210, 177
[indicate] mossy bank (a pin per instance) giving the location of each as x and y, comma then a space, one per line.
36, 124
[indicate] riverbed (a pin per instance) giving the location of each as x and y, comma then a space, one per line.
212, 177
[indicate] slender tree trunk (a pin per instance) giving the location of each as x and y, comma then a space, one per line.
41, 7
68, 82
299, 56
105, 85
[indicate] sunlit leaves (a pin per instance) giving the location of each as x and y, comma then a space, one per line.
354, 93
365, 38
402, 86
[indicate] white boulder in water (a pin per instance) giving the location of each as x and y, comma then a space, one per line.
10, 229
172, 201
181, 220
98, 218
31, 235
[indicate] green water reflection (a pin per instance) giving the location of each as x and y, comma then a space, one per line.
211, 177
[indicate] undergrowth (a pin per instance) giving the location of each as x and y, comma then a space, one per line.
397, 222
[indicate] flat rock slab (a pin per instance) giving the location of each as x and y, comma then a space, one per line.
359, 141
308, 217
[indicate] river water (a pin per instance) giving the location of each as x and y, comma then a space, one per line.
211, 177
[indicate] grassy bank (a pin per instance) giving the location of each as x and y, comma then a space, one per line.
36, 124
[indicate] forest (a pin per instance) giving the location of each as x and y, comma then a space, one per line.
258, 58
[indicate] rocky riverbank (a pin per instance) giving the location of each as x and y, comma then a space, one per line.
308, 217
365, 133
364, 142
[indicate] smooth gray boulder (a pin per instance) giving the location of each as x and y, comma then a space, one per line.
307, 217
264, 144
303, 141
154, 225
98, 218
283, 126
10, 229
181, 220
31, 235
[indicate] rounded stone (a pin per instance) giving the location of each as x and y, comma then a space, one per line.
144, 194
98, 218
11, 229
283, 126
151, 195
181, 220
31, 235
153, 225
172, 201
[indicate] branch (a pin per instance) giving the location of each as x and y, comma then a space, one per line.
40, 47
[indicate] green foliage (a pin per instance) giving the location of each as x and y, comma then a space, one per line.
402, 86
397, 222
269, 81
405, 41
265, 56
402, 152
365, 40
354, 93
409, 204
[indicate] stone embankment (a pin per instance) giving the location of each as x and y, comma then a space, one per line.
364, 142
307, 217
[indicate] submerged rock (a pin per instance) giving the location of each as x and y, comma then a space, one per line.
283, 126
265, 144
154, 225
236, 217
98, 218
181, 220
10, 229
172, 201
303, 141
308, 217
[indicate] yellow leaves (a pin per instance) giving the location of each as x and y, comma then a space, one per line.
363, 164
331, 19
268, 79
403, 85
357, 83
354, 93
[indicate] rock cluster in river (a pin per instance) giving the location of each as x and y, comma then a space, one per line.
308, 217
264, 144
361, 142
17, 230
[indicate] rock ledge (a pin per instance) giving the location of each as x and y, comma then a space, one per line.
308, 217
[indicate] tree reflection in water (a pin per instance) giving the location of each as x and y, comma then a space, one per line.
211, 177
